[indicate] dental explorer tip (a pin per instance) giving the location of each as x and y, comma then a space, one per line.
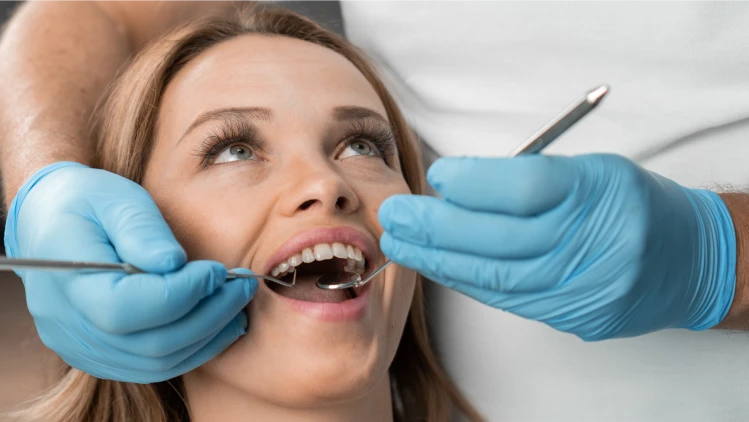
597, 94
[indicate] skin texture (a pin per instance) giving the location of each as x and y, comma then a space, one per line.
738, 314
290, 366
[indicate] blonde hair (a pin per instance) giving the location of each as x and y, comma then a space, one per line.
124, 130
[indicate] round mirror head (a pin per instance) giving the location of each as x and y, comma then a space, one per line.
338, 281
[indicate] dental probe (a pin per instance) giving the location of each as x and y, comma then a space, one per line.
538, 141
561, 123
10, 264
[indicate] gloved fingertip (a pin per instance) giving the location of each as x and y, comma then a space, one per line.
241, 270
441, 170
219, 270
387, 246
407, 217
400, 212
434, 174
172, 259
245, 322
209, 275
165, 259
250, 285
385, 212
238, 326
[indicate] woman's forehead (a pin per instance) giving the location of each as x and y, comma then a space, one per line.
286, 75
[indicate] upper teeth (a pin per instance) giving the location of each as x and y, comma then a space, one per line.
321, 252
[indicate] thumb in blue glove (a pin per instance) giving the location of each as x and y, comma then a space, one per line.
139, 328
592, 245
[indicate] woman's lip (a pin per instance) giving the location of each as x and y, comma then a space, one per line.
348, 310
313, 236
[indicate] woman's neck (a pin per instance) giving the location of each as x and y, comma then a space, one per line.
210, 399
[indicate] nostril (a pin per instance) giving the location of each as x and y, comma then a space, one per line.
306, 204
342, 204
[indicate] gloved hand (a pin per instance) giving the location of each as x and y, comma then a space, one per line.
139, 328
591, 245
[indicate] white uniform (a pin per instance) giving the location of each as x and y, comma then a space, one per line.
478, 78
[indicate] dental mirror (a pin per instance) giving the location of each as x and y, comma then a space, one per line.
347, 279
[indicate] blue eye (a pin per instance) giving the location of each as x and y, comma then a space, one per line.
235, 152
359, 147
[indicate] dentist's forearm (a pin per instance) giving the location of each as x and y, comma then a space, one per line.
58, 58
738, 315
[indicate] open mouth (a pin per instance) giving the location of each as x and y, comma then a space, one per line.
314, 262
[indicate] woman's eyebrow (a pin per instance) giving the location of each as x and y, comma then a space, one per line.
250, 113
346, 113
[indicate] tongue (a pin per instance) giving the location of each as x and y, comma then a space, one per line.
305, 290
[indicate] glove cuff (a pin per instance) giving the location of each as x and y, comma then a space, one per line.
11, 238
717, 260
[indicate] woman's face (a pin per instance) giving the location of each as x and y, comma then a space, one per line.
271, 152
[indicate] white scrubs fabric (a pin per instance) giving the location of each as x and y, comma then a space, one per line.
479, 78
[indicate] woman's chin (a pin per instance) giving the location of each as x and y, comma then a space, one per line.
301, 361
324, 386
302, 378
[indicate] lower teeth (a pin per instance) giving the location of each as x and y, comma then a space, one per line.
305, 290
350, 265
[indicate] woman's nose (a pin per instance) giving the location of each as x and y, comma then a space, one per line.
318, 189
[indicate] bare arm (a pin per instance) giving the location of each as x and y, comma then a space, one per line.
58, 57
738, 315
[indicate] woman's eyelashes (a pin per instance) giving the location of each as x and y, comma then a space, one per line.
231, 141
240, 141
368, 138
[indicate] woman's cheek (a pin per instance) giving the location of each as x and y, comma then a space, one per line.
372, 171
403, 293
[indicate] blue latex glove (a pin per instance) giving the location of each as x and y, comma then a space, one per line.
139, 328
591, 245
